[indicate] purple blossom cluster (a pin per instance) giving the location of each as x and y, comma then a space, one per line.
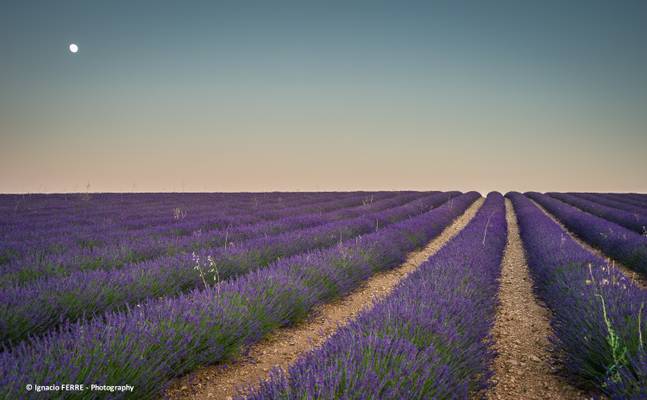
617, 242
147, 245
428, 339
633, 221
113, 247
36, 308
598, 314
637, 199
610, 201
148, 344
43, 222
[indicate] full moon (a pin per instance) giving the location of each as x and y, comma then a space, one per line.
74, 48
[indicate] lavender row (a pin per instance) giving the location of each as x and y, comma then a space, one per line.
596, 311
93, 245
212, 216
150, 208
148, 246
628, 198
642, 197
103, 240
633, 221
117, 219
24, 210
19, 274
124, 224
616, 241
605, 200
428, 339
39, 307
146, 346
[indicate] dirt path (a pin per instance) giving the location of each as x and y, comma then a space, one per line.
282, 347
638, 279
522, 368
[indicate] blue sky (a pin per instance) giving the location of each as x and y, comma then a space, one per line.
220, 96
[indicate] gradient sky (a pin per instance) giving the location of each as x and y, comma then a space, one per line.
268, 95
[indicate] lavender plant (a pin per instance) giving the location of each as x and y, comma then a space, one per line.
428, 339
613, 202
628, 247
36, 308
148, 345
632, 221
108, 248
596, 310
630, 198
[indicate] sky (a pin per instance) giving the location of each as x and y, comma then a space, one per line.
328, 95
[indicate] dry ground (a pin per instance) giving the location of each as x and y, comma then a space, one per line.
284, 346
523, 367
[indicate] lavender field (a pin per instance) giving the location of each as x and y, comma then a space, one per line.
149, 296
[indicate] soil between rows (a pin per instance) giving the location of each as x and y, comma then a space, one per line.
282, 347
638, 279
523, 367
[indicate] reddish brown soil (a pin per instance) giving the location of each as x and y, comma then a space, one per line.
523, 367
282, 347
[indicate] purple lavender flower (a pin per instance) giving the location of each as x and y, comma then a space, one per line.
596, 310
616, 241
428, 339
162, 338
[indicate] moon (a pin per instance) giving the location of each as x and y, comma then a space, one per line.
74, 48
